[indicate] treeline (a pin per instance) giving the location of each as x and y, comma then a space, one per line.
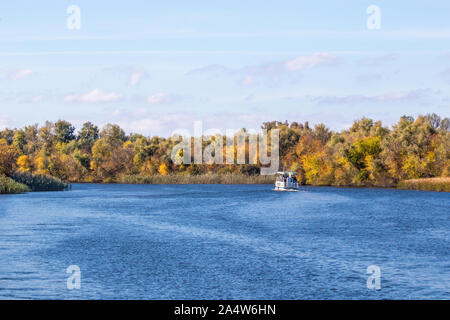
367, 153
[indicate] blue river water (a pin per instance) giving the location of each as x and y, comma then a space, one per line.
224, 242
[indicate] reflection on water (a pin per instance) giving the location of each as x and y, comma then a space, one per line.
224, 242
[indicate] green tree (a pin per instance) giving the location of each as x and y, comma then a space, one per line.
113, 132
88, 135
64, 131
19, 140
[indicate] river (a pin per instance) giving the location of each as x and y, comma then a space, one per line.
224, 242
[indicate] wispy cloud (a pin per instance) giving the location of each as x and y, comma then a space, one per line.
159, 124
190, 33
216, 69
368, 77
166, 124
445, 75
141, 52
4, 123
271, 71
162, 98
311, 61
378, 60
387, 97
277, 71
37, 99
94, 96
117, 112
137, 74
19, 74
133, 74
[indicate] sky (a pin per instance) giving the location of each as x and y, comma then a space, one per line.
156, 66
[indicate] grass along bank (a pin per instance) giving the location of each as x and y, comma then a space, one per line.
197, 179
9, 186
40, 182
428, 184
26, 182
431, 184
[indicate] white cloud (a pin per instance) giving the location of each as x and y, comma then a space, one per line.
272, 71
19, 74
167, 124
133, 74
445, 75
160, 124
4, 123
140, 111
368, 77
162, 98
163, 124
310, 61
410, 95
276, 72
137, 74
377, 61
94, 96
38, 99
248, 80
209, 69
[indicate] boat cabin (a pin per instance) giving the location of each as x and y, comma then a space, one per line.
286, 181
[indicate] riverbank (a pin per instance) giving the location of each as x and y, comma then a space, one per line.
197, 179
40, 182
26, 182
9, 186
441, 184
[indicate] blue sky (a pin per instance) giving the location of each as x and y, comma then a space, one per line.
154, 66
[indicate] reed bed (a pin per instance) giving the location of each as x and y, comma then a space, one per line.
197, 179
441, 184
40, 182
9, 186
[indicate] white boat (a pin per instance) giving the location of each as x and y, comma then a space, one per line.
286, 181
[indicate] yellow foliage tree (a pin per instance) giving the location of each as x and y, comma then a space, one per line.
24, 164
41, 165
148, 168
128, 144
8, 156
344, 171
163, 169
412, 166
315, 166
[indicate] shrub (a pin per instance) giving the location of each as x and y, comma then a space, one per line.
9, 186
428, 184
197, 179
40, 182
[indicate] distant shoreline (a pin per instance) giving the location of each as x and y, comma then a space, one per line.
440, 184
197, 179
367, 154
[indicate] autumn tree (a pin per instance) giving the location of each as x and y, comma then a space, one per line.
367, 153
64, 131
23, 164
163, 169
87, 136
8, 158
